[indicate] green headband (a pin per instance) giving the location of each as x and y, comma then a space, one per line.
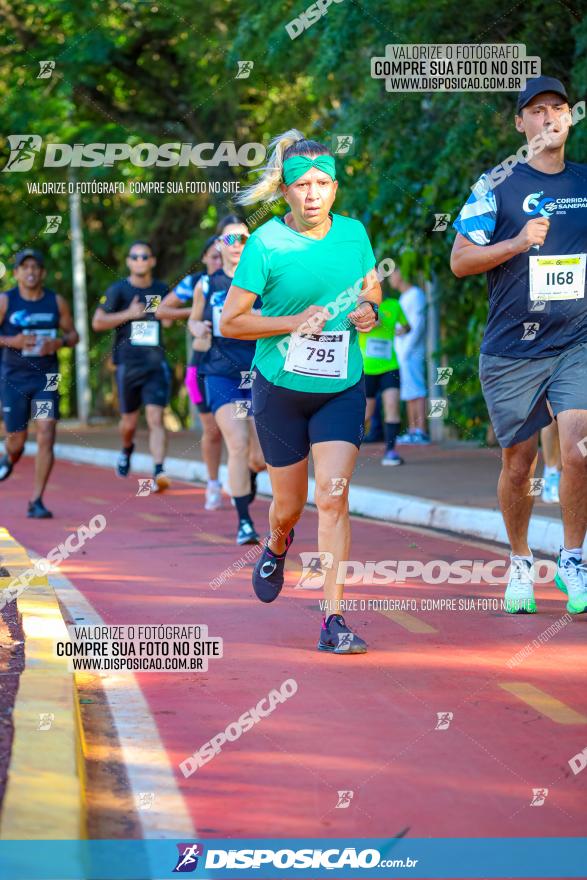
295, 166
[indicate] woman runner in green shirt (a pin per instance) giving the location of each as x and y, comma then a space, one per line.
314, 271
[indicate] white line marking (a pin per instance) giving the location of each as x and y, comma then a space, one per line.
145, 758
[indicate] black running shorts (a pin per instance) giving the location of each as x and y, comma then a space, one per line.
381, 382
289, 422
25, 397
137, 387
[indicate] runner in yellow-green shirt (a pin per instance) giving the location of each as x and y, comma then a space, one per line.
382, 371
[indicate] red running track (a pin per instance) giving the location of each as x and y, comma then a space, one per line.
362, 723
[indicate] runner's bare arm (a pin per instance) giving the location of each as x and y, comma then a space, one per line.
363, 317
240, 322
110, 320
197, 310
172, 308
9, 341
3, 306
69, 335
371, 288
473, 259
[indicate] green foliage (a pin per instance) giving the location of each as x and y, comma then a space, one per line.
158, 72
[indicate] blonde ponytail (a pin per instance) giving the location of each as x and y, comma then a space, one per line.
266, 189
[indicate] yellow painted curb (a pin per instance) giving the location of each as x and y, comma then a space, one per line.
45, 791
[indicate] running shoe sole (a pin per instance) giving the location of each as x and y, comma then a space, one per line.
388, 463
163, 482
529, 606
571, 607
331, 649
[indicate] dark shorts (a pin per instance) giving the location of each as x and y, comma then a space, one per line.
516, 391
203, 407
221, 390
138, 388
289, 422
381, 382
25, 398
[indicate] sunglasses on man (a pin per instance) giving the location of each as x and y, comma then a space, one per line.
139, 256
234, 238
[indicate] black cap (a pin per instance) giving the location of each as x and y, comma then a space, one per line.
28, 252
208, 244
536, 86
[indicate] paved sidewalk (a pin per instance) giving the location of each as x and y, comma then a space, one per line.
454, 473
451, 488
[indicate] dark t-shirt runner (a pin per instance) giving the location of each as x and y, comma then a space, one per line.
38, 316
136, 344
518, 327
226, 357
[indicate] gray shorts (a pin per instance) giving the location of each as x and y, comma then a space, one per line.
516, 391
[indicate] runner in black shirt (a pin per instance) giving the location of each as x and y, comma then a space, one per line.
142, 372
31, 317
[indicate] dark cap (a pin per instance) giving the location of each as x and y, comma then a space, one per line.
208, 244
28, 252
536, 86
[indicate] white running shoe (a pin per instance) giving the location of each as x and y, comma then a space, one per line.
550, 488
213, 498
160, 483
571, 578
519, 594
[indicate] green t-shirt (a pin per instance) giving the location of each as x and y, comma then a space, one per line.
290, 272
377, 346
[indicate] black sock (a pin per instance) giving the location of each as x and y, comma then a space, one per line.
128, 449
158, 469
253, 492
242, 508
391, 432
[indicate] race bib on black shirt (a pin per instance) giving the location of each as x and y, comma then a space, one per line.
143, 345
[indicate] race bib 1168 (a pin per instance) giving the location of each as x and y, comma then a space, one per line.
557, 277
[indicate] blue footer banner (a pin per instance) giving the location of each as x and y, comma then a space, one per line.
554, 857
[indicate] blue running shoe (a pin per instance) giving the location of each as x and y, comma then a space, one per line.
5, 468
37, 510
338, 638
246, 533
268, 573
123, 461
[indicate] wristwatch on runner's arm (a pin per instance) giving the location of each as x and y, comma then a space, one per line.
373, 305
